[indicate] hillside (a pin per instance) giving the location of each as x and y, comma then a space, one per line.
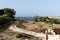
36, 26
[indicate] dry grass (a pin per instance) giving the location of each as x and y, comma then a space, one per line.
36, 26
7, 34
30, 26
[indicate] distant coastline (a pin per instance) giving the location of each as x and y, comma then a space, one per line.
25, 18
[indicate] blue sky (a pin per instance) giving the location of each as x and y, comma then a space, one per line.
33, 7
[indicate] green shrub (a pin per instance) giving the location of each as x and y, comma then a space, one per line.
26, 36
36, 19
23, 36
19, 36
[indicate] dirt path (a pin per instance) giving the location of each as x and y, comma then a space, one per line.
14, 28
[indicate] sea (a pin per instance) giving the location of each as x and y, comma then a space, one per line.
25, 18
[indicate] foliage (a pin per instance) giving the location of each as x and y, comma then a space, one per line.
6, 15
23, 36
1, 12
43, 19
4, 21
19, 36
26, 36
36, 19
9, 12
57, 21
49, 20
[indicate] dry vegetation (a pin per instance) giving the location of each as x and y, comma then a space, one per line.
30, 26
36, 26
7, 34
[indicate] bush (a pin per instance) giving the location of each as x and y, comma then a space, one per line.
36, 19
26, 36
23, 36
19, 36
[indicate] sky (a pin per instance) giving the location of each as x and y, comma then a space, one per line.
28, 8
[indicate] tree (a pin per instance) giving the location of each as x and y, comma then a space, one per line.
1, 12
51, 20
6, 16
36, 19
9, 12
42, 19
57, 21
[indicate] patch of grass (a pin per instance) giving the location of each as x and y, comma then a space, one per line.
23, 36
26, 36
19, 36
